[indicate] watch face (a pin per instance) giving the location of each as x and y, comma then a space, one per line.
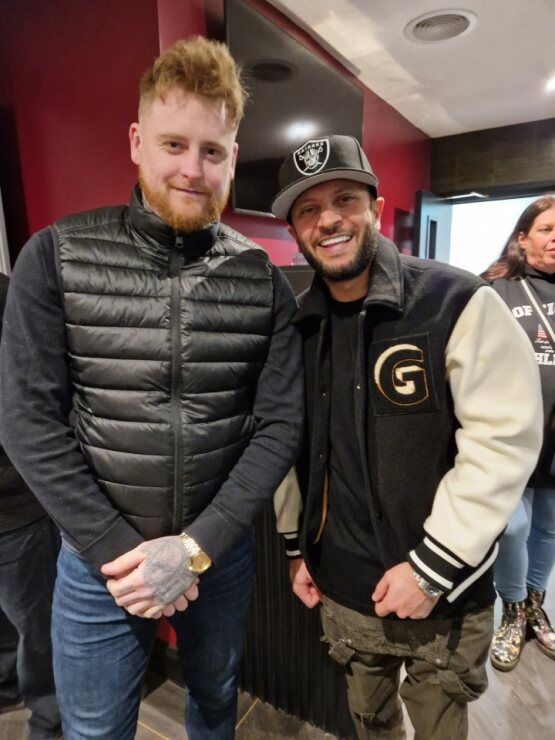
198, 560
200, 563
426, 587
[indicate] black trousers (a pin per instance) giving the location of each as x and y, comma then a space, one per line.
27, 575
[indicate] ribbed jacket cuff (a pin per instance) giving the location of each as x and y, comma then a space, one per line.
292, 545
116, 541
436, 564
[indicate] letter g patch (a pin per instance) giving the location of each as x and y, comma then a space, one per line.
401, 376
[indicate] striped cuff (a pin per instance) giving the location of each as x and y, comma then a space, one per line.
292, 545
436, 564
478, 572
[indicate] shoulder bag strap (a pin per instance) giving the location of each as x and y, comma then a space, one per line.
543, 318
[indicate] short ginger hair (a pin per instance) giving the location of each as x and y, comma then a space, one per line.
199, 66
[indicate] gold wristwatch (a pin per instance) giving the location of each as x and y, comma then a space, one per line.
198, 559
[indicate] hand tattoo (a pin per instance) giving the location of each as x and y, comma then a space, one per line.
165, 569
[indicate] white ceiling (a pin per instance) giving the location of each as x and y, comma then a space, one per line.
494, 75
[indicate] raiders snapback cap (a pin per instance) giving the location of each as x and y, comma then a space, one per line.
319, 160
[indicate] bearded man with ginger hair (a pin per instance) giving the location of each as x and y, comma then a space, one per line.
167, 336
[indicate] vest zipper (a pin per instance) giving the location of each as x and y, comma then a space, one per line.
176, 263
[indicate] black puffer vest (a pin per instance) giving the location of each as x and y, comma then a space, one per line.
167, 334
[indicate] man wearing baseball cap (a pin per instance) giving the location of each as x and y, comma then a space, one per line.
419, 443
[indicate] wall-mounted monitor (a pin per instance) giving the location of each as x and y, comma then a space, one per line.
293, 96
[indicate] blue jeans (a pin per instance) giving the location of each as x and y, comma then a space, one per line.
27, 574
101, 652
527, 547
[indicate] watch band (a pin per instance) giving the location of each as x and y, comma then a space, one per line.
426, 587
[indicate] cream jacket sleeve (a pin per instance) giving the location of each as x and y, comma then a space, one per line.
288, 506
494, 381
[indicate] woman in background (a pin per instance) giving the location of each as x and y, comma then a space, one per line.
524, 277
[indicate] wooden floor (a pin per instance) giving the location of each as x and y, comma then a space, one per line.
519, 705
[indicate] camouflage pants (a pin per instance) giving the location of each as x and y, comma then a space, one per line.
444, 662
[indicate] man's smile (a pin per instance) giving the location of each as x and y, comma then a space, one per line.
190, 192
335, 244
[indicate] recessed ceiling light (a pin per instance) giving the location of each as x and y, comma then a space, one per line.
272, 70
550, 84
440, 25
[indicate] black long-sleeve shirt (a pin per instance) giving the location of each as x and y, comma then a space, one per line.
18, 506
36, 399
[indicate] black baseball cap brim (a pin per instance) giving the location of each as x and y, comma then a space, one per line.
284, 200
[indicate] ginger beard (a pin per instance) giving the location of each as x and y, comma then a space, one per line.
361, 259
190, 215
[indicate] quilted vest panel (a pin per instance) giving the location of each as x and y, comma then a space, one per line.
164, 357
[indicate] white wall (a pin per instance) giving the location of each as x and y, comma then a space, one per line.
479, 231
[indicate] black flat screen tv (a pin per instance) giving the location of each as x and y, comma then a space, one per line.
293, 96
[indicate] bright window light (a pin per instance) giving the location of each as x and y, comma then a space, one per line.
550, 84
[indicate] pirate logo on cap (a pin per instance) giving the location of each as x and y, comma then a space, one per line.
312, 156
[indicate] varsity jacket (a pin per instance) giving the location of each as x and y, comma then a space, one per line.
173, 356
511, 291
449, 437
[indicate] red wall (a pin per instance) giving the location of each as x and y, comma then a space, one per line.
69, 75
178, 19
72, 70
399, 154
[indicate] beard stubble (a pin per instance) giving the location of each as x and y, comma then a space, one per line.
360, 261
191, 216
